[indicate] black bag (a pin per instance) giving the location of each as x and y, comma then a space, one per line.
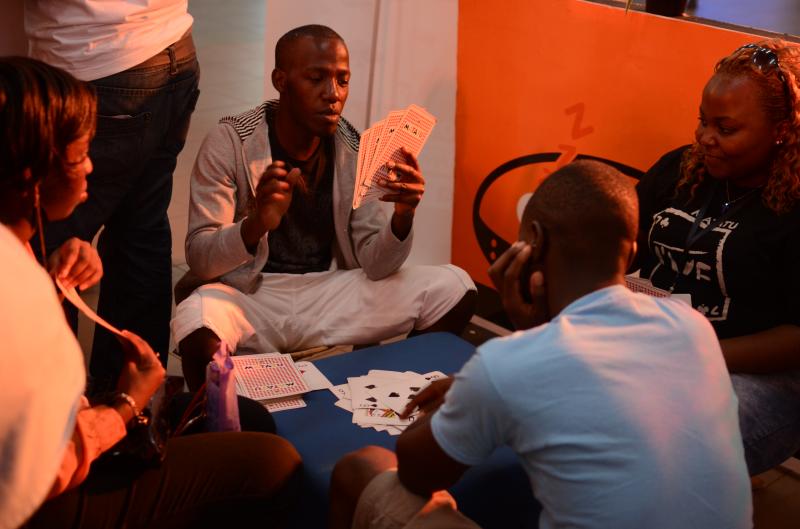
145, 445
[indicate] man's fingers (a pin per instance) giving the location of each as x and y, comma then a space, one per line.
279, 181
406, 172
410, 158
514, 267
406, 187
403, 198
293, 175
295, 179
271, 189
512, 273
428, 393
277, 164
498, 268
276, 171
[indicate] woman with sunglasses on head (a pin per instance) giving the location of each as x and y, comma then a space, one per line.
49, 434
720, 221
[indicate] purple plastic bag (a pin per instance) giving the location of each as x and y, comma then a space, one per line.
222, 408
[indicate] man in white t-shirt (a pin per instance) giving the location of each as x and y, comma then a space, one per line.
141, 60
618, 404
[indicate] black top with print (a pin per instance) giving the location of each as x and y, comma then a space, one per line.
743, 274
303, 241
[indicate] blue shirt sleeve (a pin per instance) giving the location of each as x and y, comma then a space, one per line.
471, 422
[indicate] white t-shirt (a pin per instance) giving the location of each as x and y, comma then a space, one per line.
95, 38
41, 382
621, 410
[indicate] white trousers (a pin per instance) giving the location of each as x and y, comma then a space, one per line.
387, 504
291, 312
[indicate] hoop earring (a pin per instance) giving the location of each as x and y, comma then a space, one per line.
39, 225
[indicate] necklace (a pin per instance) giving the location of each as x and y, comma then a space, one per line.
728, 202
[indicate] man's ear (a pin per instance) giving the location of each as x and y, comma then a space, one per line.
538, 241
279, 80
632, 255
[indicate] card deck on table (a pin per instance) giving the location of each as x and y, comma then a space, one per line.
284, 403
267, 376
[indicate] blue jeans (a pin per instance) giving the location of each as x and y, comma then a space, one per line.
143, 119
769, 418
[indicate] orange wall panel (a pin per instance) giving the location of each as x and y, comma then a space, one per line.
561, 79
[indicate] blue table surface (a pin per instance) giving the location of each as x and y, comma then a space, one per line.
494, 494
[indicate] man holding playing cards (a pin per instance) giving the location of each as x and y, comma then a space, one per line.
618, 404
271, 220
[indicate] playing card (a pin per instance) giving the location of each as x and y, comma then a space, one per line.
380, 416
372, 146
284, 403
360, 169
397, 394
345, 404
359, 390
312, 376
390, 124
397, 375
342, 391
267, 376
395, 430
638, 284
72, 295
434, 375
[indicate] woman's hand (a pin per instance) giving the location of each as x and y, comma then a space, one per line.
76, 264
142, 372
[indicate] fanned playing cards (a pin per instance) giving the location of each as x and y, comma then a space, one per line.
381, 143
377, 398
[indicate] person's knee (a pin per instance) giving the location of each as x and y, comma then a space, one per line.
354, 471
196, 351
270, 462
456, 319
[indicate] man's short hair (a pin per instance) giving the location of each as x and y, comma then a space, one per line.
590, 210
315, 31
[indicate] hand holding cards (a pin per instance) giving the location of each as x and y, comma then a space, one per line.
384, 142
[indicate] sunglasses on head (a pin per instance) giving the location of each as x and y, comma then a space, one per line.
766, 61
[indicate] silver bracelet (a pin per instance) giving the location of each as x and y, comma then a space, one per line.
127, 399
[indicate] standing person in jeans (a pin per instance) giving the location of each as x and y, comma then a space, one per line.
141, 60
